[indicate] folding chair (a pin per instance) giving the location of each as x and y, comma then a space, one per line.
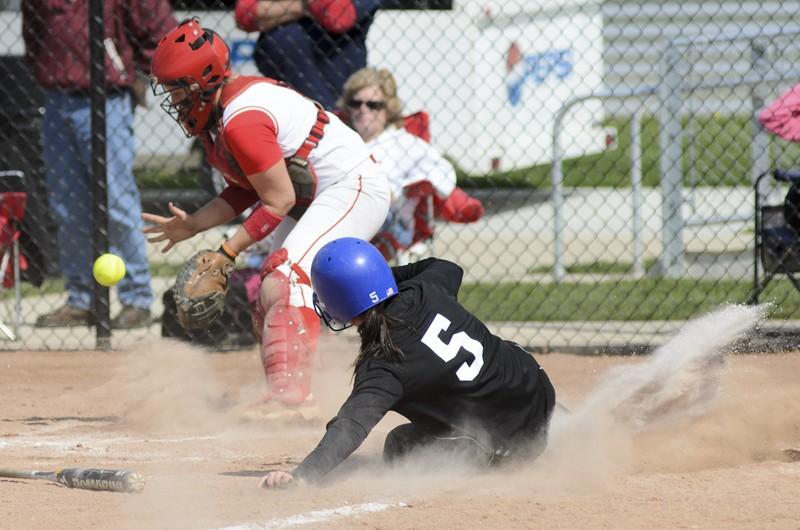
12, 212
777, 243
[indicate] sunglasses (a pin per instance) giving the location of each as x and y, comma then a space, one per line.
371, 105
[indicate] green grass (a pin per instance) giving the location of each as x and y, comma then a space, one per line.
716, 152
645, 299
597, 267
160, 178
56, 285
49, 286
161, 268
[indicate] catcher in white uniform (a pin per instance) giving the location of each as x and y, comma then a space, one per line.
309, 178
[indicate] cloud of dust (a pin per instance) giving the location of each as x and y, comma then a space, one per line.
603, 436
427, 472
754, 420
170, 387
664, 412
680, 409
677, 383
645, 411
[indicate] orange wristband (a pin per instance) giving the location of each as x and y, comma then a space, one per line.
225, 249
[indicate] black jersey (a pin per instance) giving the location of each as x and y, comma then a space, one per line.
455, 374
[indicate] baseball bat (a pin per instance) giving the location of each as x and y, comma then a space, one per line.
87, 479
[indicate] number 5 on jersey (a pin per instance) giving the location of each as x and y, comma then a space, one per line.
448, 351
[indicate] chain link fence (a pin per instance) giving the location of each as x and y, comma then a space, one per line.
614, 147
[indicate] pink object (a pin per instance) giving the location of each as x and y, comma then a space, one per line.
252, 286
12, 212
782, 116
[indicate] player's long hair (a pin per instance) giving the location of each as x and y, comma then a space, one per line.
376, 339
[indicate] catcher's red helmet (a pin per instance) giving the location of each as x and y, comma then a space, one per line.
189, 65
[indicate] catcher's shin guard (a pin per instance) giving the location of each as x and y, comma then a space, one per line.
289, 338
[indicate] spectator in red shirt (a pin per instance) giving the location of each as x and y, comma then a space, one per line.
56, 35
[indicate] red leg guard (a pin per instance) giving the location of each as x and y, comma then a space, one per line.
278, 287
287, 352
289, 340
273, 261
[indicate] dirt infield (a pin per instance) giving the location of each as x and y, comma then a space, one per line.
175, 415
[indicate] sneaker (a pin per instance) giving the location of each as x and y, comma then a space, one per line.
65, 316
131, 317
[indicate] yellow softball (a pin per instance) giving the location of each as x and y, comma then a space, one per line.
108, 269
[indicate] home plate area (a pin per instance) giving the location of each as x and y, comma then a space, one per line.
173, 414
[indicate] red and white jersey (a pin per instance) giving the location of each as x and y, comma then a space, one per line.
266, 121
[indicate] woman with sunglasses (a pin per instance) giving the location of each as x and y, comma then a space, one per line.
466, 392
370, 105
305, 177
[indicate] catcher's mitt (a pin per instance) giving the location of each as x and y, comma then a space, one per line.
200, 288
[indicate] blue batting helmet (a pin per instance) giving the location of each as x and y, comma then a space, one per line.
349, 276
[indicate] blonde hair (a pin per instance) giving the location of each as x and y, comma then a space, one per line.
379, 78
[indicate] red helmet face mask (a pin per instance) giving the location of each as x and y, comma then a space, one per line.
189, 65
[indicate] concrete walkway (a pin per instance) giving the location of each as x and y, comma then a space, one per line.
509, 243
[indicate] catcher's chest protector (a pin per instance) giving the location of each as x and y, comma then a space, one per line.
301, 172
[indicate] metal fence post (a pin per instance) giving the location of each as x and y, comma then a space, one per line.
669, 111
97, 75
636, 190
760, 140
559, 270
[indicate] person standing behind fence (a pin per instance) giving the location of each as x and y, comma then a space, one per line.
56, 38
314, 45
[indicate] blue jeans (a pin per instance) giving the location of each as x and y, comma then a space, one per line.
67, 140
